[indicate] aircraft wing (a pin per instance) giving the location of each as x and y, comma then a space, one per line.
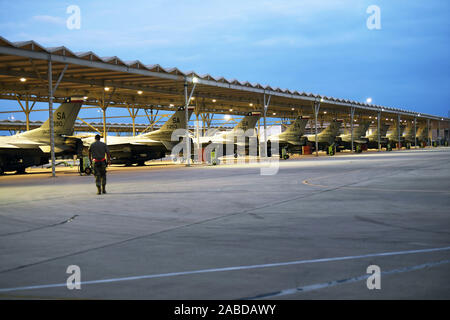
47, 149
8, 146
20, 145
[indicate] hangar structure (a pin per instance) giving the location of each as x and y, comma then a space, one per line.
30, 72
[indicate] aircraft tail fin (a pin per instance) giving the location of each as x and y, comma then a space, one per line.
394, 130
63, 119
297, 127
332, 129
422, 133
361, 130
248, 122
409, 132
176, 121
383, 130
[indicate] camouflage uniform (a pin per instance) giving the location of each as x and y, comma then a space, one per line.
99, 150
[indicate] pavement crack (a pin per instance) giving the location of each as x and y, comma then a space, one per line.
41, 227
365, 219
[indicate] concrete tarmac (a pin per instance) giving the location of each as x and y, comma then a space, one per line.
310, 231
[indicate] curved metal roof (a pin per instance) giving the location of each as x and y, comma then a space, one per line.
89, 72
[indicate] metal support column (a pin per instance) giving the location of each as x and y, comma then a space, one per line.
186, 105
266, 106
197, 133
439, 133
415, 132
316, 114
27, 112
50, 112
428, 132
27, 109
104, 106
399, 147
104, 124
352, 116
133, 114
379, 130
187, 100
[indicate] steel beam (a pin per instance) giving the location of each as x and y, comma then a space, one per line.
316, 114
266, 106
379, 130
399, 147
415, 132
352, 114
50, 111
439, 133
186, 110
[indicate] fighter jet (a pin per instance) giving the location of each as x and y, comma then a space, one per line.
32, 148
147, 146
291, 139
422, 134
408, 134
373, 138
393, 136
327, 137
232, 137
359, 136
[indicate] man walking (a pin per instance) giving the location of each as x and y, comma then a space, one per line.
97, 152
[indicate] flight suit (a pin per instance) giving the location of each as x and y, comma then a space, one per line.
99, 150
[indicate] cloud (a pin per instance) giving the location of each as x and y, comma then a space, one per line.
294, 41
49, 19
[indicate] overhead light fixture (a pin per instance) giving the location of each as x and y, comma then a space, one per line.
140, 92
321, 99
231, 110
171, 105
106, 88
194, 80
324, 112
85, 98
23, 79
193, 98
250, 104
214, 100
274, 114
292, 109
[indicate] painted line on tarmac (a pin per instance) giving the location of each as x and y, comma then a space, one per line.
236, 268
334, 283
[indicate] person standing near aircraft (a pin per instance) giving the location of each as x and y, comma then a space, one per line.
98, 151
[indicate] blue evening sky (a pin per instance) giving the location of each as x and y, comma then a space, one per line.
322, 47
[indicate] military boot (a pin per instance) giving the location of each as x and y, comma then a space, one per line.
99, 191
104, 189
